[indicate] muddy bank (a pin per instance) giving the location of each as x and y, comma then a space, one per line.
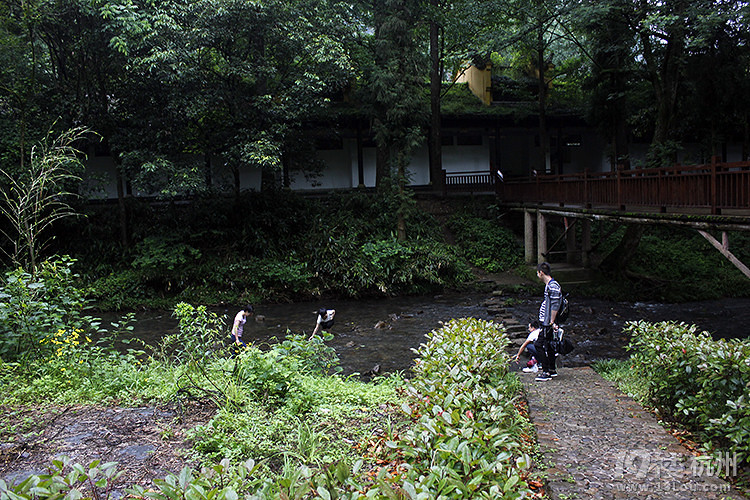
146, 443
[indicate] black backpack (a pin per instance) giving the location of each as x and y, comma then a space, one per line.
562, 314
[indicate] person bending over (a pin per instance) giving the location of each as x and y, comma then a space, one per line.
324, 321
529, 345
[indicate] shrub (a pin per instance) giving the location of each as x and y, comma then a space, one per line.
123, 289
312, 353
309, 442
465, 443
199, 338
485, 243
699, 382
267, 376
662, 250
35, 307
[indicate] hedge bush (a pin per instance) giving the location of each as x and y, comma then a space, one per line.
699, 382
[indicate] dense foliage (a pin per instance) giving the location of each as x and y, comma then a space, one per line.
465, 443
262, 247
283, 428
670, 265
692, 380
176, 87
486, 243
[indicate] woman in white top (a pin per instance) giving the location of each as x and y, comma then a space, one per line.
324, 321
239, 325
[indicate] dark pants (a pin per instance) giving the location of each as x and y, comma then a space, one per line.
532, 350
544, 349
234, 348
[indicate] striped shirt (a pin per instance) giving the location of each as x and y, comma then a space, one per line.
552, 301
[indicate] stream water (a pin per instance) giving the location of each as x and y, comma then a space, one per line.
384, 332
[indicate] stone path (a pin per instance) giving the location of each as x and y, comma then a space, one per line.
600, 444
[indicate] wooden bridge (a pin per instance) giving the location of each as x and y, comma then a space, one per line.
715, 188
709, 197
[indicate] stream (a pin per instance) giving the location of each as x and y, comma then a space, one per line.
370, 333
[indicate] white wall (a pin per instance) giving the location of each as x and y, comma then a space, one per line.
518, 156
467, 158
250, 179
419, 167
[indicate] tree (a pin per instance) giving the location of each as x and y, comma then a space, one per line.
24, 76
396, 95
545, 37
667, 35
610, 80
718, 86
243, 77
78, 58
460, 32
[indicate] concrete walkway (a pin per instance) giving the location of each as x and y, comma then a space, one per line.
600, 444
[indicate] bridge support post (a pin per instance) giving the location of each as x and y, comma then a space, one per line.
541, 237
528, 237
586, 243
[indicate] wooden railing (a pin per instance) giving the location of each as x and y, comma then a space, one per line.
469, 181
715, 186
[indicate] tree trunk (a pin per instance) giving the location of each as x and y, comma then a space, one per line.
543, 135
381, 165
620, 125
121, 205
619, 258
665, 74
401, 226
434, 139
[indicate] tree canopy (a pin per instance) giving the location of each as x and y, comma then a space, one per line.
177, 88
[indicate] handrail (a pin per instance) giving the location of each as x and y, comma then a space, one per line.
715, 186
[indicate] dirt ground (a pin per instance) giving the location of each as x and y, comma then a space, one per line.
146, 443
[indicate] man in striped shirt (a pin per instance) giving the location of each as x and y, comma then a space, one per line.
547, 315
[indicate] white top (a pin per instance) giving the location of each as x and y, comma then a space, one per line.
328, 317
240, 320
533, 335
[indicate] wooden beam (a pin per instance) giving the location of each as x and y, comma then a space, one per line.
723, 247
710, 223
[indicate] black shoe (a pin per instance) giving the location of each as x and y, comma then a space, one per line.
543, 377
553, 374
